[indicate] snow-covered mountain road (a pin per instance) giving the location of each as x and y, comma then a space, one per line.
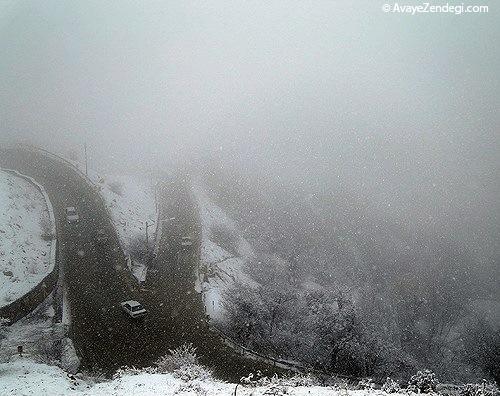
97, 279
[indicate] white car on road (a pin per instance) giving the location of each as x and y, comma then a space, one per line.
134, 309
71, 214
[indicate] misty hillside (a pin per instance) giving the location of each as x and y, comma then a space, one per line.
417, 293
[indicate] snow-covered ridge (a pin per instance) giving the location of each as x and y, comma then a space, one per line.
27, 240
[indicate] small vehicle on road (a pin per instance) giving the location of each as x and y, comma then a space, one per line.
134, 309
186, 241
72, 215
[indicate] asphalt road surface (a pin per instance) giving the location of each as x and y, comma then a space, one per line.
97, 279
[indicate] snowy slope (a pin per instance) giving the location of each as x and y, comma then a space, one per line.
24, 377
131, 202
25, 256
224, 253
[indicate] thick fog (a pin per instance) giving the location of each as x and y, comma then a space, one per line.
400, 110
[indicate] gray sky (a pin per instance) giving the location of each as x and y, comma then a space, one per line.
403, 110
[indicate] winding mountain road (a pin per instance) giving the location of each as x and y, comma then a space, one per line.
97, 279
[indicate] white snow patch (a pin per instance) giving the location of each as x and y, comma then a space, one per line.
22, 376
25, 257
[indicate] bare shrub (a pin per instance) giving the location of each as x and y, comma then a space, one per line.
391, 386
366, 384
182, 362
192, 372
423, 382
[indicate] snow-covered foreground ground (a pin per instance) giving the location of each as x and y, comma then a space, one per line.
22, 376
224, 253
131, 202
25, 237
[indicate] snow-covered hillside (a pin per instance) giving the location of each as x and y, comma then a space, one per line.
131, 202
25, 237
224, 253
